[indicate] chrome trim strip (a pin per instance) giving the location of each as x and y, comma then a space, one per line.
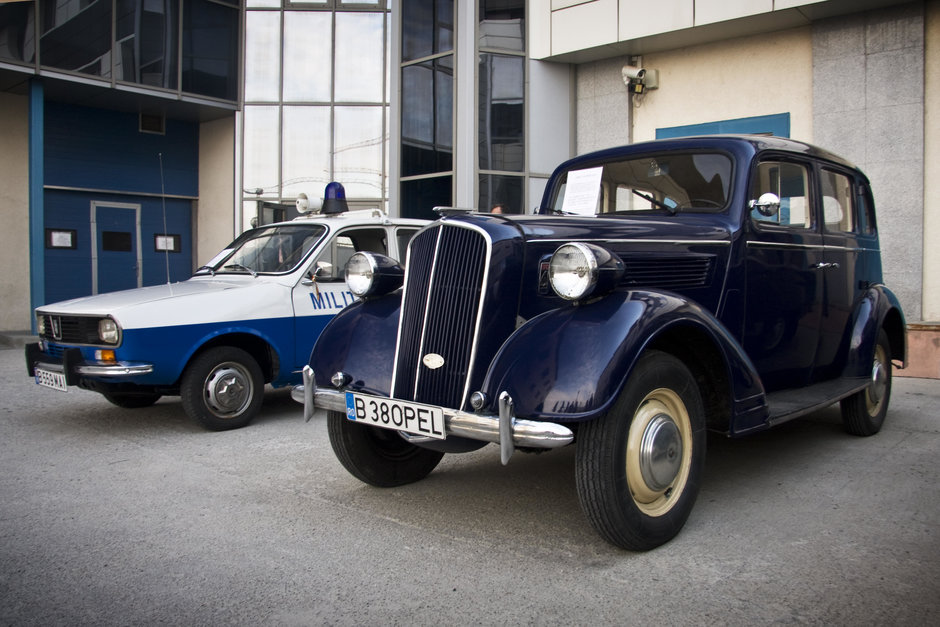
479, 317
116, 370
484, 427
681, 242
760, 244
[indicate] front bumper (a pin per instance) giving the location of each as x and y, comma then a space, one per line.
74, 366
503, 429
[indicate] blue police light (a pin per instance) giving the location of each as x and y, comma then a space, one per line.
334, 199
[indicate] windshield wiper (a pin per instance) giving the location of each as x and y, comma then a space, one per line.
238, 266
653, 201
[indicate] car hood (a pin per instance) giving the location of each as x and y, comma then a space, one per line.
197, 300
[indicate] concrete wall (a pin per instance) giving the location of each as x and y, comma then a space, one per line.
931, 266
214, 212
868, 106
15, 313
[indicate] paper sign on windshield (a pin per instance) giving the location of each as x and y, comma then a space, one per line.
582, 191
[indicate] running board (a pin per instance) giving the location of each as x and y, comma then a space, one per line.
789, 404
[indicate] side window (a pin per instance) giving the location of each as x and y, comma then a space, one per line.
837, 197
404, 236
790, 183
331, 263
866, 211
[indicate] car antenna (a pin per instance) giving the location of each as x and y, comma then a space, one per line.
166, 248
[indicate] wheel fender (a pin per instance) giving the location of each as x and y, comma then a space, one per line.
570, 363
360, 340
878, 308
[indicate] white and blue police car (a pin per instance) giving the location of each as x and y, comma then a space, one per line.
248, 317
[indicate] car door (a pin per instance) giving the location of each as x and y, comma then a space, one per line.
840, 271
784, 290
323, 293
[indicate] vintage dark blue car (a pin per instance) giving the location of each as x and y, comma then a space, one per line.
728, 283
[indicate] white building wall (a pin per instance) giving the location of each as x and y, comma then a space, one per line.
213, 213
15, 313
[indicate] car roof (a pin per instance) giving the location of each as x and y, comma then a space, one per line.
347, 218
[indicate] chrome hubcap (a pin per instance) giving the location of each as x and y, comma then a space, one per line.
879, 382
228, 390
660, 452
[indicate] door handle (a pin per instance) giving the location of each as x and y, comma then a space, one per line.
825, 265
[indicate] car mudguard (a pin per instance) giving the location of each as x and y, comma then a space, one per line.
569, 364
360, 340
878, 308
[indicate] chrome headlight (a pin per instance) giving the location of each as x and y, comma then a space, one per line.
108, 331
40, 324
578, 270
371, 274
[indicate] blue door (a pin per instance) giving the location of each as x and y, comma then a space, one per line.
116, 250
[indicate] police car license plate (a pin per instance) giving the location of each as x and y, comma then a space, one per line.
390, 413
50, 379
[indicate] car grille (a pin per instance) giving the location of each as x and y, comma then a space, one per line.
440, 312
71, 329
667, 272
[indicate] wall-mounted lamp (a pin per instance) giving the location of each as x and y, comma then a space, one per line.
638, 80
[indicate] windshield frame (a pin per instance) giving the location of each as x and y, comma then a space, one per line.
262, 251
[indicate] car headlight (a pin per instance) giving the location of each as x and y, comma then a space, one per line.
578, 270
371, 274
108, 331
40, 324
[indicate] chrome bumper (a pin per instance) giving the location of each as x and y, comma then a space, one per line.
503, 429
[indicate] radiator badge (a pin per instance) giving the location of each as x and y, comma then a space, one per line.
433, 361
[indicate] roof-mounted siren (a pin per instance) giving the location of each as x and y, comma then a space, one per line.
334, 199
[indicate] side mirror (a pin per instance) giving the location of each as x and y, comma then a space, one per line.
767, 205
322, 270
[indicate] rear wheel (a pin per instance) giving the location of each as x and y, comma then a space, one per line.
863, 413
638, 468
379, 457
222, 388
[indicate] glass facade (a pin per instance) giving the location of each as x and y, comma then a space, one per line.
139, 42
316, 102
427, 107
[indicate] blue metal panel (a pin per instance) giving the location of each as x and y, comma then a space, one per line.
777, 124
99, 149
37, 287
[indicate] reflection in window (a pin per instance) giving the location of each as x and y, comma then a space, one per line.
419, 197
146, 42
76, 36
360, 63
790, 183
260, 149
210, 49
502, 88
17, 32
357, 159
502, 24
262, 61
838, 209
306, 151
307, 64
501, 194
427, 28
427, 117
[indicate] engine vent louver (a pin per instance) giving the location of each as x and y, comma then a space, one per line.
667, 272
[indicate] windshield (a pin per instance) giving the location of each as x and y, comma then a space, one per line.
663, 183
273, 249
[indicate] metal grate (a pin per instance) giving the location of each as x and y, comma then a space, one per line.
671, 272
439, 314
72, 329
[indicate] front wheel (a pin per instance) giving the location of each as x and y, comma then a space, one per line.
379, 457
222, 388
638, 467
863, 413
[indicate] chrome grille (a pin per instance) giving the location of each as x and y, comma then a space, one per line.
439, 314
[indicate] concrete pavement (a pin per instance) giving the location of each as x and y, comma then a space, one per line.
114, 516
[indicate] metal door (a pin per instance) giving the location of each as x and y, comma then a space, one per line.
115, 247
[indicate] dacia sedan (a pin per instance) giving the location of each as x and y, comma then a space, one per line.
247, 318
725, 283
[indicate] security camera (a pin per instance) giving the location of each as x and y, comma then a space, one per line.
632, 73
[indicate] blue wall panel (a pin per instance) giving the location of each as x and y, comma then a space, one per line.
101, 149
777, 124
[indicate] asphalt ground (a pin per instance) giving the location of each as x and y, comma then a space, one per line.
138, 517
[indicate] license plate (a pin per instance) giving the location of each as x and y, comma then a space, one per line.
50, 379
390, 413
